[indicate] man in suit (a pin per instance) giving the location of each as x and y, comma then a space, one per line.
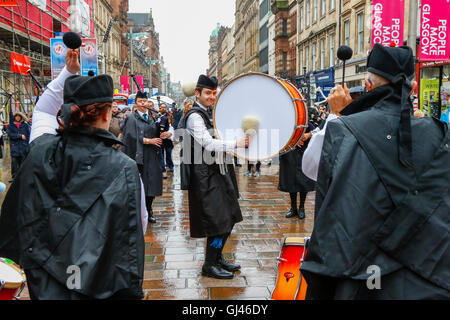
142, 141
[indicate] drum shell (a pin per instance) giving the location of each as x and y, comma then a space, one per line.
9, 290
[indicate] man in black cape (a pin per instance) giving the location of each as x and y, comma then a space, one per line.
212, 186
381, 228
142, 141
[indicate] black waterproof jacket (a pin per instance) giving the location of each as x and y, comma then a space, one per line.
75, 205
375, 217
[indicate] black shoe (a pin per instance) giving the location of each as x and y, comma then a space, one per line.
292, 213
301, 213
151, 218
214, 271
228, 265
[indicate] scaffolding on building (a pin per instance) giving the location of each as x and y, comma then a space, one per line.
27, 29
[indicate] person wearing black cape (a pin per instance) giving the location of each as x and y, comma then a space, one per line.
291, 177
212, 188
72, 219
381, 229
142, 141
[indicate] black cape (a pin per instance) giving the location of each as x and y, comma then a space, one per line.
148, 156
291, 177
372, 211
76, 202
213, 197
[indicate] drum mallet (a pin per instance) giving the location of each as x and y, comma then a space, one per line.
344, 53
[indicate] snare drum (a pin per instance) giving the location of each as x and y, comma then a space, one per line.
291, 284
12, 280
276, 103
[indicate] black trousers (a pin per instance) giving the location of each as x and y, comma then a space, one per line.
16, 162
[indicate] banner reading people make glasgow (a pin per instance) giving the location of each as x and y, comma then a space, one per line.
387, 22
434, 30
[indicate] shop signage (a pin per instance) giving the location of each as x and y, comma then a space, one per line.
8, 3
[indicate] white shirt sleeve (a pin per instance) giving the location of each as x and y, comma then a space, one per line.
44, 115
311, 157
197, 129
144, 213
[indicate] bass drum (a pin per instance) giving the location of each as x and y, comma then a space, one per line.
276, 104
290, 284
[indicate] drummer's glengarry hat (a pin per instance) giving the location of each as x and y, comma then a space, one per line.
207, 82
86, 90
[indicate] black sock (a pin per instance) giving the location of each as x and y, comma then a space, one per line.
293, 196
149, 203
302, 200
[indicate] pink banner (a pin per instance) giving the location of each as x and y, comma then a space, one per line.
388, 22
124, 84
140, 80
434, 31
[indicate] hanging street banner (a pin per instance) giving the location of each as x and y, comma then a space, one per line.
125, 84
20, 63
89, 57
388, 22
434, 30
58, 52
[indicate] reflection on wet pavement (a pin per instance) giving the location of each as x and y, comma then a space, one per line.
173, 260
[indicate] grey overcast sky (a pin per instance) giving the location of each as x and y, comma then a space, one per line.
184, 28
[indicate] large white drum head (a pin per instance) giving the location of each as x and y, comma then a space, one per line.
262, 97
9, 274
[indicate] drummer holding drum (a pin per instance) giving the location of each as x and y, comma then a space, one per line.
212, 186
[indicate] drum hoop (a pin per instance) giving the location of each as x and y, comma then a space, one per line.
284, 87
14, 285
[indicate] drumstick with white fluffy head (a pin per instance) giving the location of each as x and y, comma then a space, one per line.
250, 125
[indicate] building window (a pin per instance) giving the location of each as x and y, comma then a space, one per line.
332, 4
323, 8
307, 59
300, 61
314, 11
347, 33
322, 53
284, 61
284, 27
302, 17
308, 12
331, 50
360, 19
314, 56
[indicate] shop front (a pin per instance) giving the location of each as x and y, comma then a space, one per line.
434, 88
355, 72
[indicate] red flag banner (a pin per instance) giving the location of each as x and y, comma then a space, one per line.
388, 22
20, 63
8, 3
434, 30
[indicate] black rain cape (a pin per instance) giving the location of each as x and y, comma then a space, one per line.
76, 202
373, 211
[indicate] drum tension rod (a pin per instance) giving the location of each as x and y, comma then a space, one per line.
281, 259
301, 126
301, 100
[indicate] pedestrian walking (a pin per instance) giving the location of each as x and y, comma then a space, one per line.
19, 136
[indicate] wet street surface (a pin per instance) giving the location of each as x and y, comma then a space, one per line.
173, 260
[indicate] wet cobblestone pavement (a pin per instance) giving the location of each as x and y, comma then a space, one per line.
173, 260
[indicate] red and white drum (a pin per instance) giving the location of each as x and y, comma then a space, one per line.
12, 280
275, 103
